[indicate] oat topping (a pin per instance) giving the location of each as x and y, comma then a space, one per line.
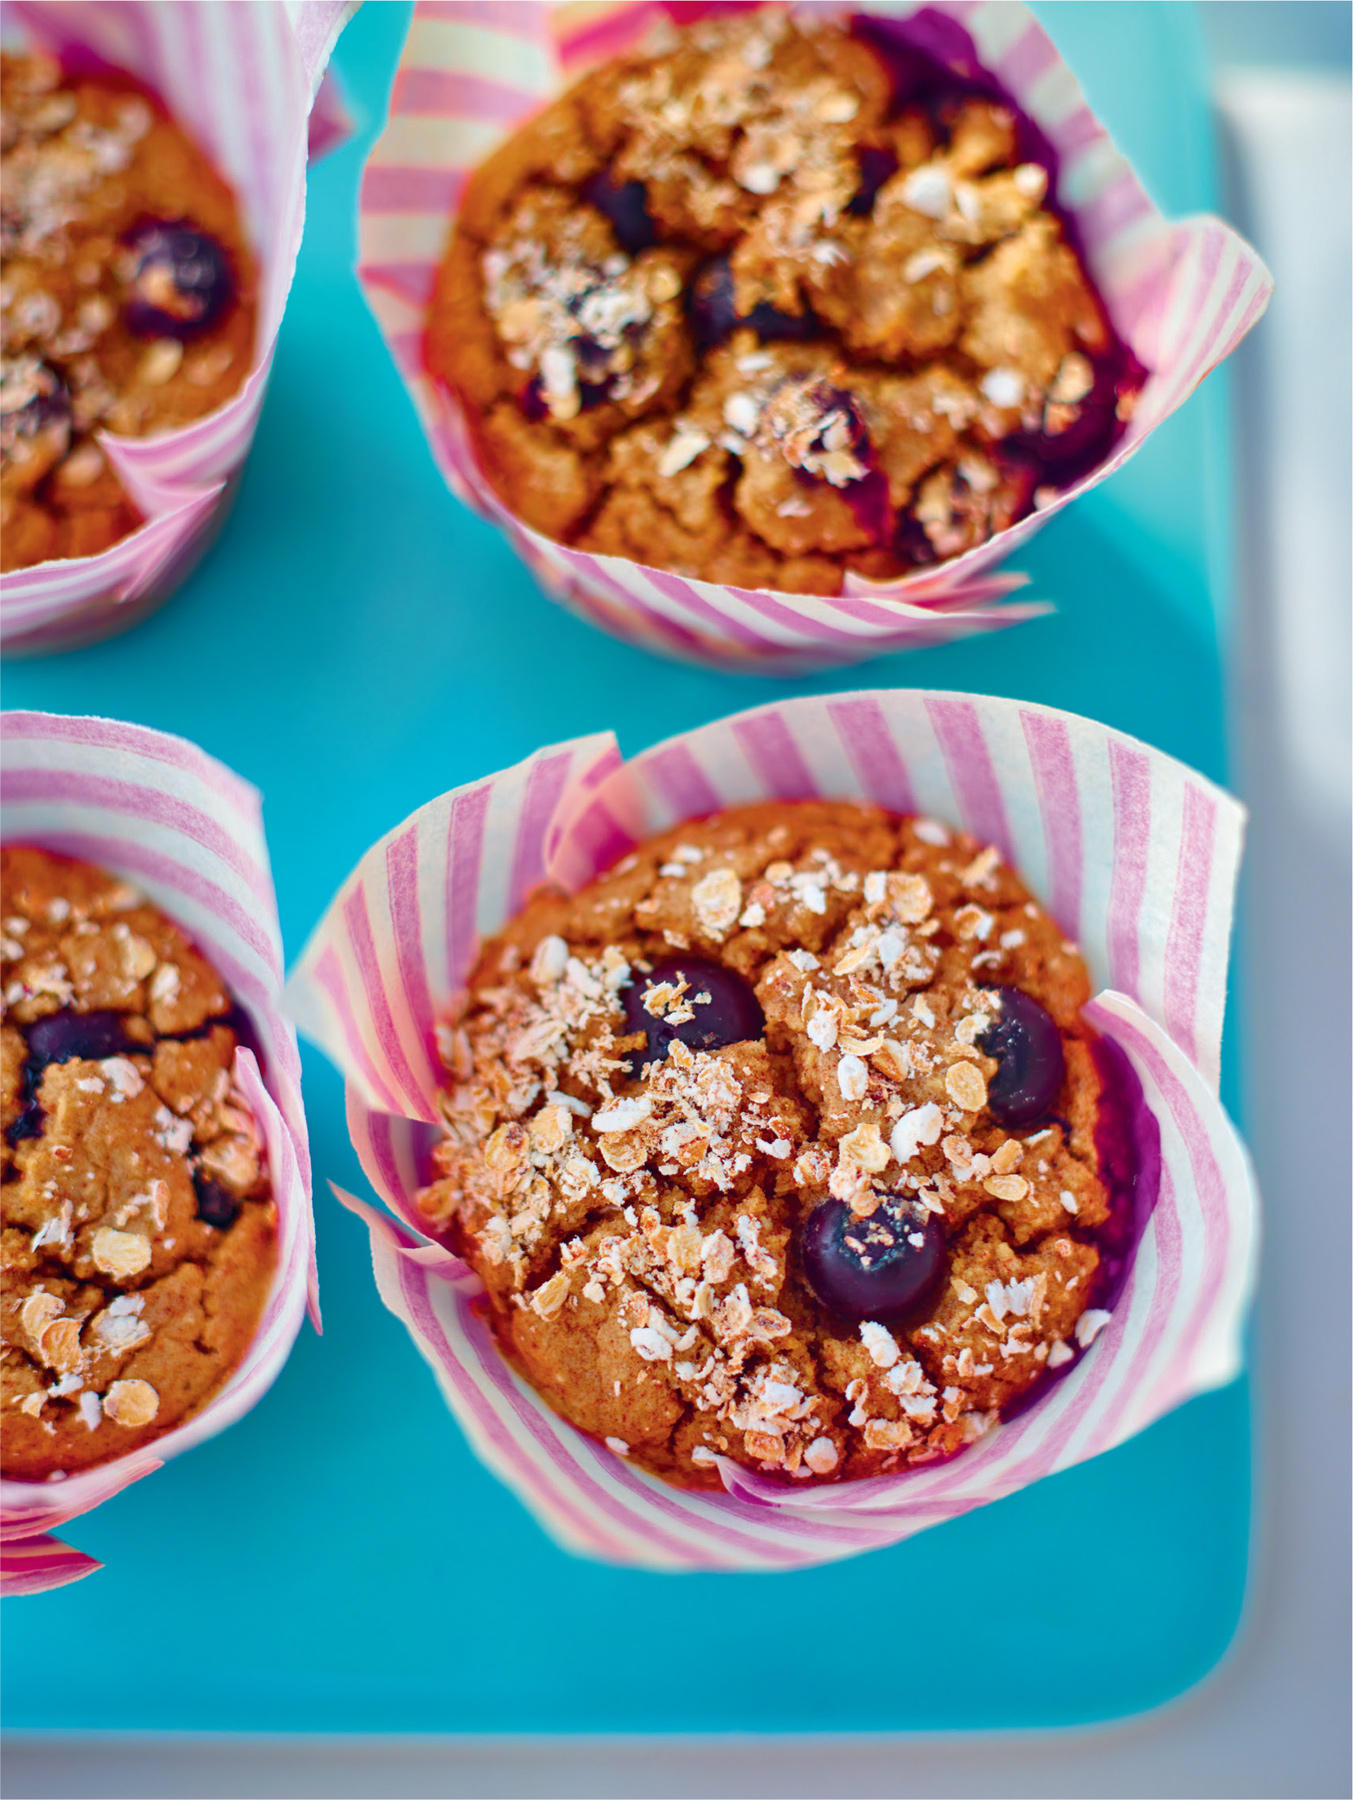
575, 313
634, 1202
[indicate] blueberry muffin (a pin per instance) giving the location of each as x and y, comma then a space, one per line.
777, 301
139, 1230
128, 298
785, 1141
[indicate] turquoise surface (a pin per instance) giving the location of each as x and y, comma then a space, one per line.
357, 643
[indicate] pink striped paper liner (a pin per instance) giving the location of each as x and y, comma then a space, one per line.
242, 79
1136, 855
188, 832
1182, 295
34, 1564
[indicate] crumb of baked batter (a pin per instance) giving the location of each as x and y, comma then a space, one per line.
778, 1142
772, 303
138, 1228
128, 298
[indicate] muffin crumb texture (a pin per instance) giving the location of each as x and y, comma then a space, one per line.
127, 303
139, 1230
778, 1143
778, 301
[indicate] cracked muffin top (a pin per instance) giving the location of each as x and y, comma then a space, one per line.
785, 1142
139, 1230
776, 301
127, 302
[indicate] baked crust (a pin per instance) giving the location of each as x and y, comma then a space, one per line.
125, 1308
732, 310
638, 1228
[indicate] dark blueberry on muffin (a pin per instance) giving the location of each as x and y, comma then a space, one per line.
714, 316
1080, 419
889, 1266
625, 204
59, 1036
34, 407
182, 282
216, 1205
1031, 1066
713, 1006
877, 165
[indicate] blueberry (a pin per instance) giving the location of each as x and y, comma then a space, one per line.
713, 314
770, 325
183, 281
625, 204
867, 496
58, 1038
710, 303
34, 400
215, 1205
1028, 1046
910, 545
27, 1125
832, 402
592, 358
829, 399
1065, 456
730, 1015
91, 1035
876, 167
39, 391
888, 1267
868, 500
532, 401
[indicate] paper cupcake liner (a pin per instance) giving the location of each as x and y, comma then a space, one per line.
1182, 295
1134, 854
189, 833
242, 79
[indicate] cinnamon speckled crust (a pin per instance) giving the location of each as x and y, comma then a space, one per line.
636, 1228
85, 161
124, 1310
944, 312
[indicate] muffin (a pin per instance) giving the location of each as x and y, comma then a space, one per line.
775, 303
128, 298
784, 1141
139, 1229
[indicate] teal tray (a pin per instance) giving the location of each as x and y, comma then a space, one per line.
358, 642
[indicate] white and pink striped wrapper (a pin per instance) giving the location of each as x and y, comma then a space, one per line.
1182, 295
241, 76
1132, 852
189, 833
